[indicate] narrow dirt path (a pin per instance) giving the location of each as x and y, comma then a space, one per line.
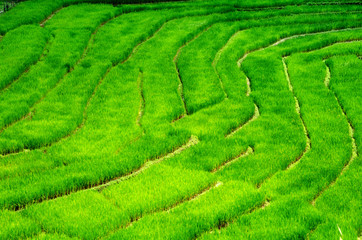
142, 101
140, 112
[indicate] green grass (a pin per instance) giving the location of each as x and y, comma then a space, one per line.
286, 219
20, 49
344, 83
75, 216
207, 211
180, 120
14, 226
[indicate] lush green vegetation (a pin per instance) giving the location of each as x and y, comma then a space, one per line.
181, 120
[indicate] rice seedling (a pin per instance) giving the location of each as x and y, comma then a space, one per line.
180, 120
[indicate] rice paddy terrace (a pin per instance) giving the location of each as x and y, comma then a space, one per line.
206, 119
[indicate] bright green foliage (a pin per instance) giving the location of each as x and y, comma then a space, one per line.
157, 188
14, 226
87, 215
18, 50
322, 130
181, 120
287, 219
44, 236
210, 210
65, 47
343, 199
210, 154
35, 11
131, 204
202, 87
28, 12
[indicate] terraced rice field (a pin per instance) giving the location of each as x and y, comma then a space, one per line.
211, 119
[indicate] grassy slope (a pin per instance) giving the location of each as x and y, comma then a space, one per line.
258, 179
